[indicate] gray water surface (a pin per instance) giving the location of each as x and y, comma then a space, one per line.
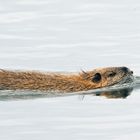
62, 35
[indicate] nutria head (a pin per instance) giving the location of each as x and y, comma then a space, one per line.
103, 77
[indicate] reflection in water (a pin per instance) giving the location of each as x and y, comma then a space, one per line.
122, 93
16, 95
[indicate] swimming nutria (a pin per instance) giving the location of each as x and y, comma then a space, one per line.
82, 81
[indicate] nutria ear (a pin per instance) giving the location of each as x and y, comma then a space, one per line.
84, 75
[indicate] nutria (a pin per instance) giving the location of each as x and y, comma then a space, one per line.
72, 82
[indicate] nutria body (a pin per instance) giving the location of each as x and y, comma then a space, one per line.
83, 81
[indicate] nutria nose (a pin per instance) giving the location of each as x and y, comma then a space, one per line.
125, 69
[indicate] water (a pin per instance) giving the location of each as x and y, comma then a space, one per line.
62, 35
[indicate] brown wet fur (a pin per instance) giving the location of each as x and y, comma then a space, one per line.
62, 82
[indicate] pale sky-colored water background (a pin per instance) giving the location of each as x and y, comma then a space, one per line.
63, 35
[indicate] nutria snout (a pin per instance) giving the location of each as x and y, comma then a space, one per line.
125, 69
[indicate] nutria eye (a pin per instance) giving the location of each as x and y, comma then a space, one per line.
97, 77
112, 74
